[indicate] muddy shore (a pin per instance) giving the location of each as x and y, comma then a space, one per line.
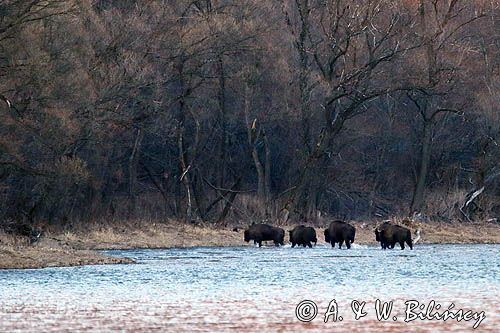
80, 247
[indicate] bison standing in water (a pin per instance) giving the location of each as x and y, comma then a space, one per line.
340, 232
264, 232
389, 234
302, 235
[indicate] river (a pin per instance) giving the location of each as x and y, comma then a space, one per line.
249, 289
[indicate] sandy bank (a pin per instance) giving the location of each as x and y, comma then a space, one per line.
78, 247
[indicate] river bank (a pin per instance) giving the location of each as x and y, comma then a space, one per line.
80, 247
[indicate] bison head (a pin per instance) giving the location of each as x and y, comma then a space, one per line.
247, 236
327, 236
313, 238
281, 236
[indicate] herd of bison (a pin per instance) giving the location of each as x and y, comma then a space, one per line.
340, 232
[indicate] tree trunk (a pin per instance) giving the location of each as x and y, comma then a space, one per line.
417, 201
185, 164
267, 173
197, 186
318, 159
260, 174
304, 87
229, 201
184, 168
132, 170
425, 157
253, 135
221, 178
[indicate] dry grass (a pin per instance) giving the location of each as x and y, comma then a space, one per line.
147, 234
461, 233
77, 247
15, 252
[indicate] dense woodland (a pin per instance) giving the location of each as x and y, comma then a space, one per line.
222, 111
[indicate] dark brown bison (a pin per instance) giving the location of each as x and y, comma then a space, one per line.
378, 234
389, 234
302, 235
340, 232
264, 232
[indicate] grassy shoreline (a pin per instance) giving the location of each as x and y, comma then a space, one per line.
80, 247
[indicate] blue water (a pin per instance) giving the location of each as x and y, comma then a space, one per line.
244, 288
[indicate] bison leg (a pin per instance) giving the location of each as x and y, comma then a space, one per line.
348, 243
410, 244
293, 244
333, 244
340, 243
402, 244
260, 243
309, 244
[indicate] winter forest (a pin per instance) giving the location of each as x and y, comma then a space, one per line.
227, 112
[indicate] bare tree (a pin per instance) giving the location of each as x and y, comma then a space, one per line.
348, 46
440, 25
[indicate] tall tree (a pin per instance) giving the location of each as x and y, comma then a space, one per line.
441, 23
349, 48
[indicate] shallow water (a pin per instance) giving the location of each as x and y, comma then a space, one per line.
251, 289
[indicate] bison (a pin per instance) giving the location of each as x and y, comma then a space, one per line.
340, 232
302, 235
264, 232
389, 234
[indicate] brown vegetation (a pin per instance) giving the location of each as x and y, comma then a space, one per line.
212, 111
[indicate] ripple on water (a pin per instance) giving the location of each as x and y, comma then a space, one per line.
250, 289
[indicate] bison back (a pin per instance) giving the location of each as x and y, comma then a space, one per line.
340, 230
310, 234
260, 232
303, 235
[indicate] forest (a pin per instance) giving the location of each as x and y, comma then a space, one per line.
228, 112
